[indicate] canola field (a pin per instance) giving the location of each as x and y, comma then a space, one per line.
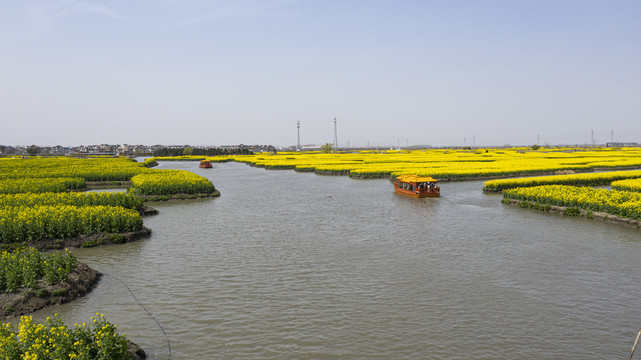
40, 202
448, 164
54, 340
39, 198
585, 179
524, 170
620, 203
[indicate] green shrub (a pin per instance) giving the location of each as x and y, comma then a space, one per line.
59, 292
118, 238
572, 212
525, 204
41, 293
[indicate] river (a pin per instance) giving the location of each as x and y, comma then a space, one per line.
287, 265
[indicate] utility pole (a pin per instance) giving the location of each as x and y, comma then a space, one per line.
335, 137
298, 142
537, 139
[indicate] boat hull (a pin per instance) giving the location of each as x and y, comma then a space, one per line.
417, 186
417, 195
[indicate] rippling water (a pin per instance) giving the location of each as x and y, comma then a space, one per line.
291, 265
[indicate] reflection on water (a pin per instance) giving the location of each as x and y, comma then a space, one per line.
291, 265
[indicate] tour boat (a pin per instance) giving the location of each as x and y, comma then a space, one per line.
205, 164
417, 186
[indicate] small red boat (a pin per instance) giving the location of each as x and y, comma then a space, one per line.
417, 186
205, 164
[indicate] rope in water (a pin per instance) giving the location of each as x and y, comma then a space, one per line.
147, 311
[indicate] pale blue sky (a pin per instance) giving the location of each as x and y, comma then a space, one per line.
227, 72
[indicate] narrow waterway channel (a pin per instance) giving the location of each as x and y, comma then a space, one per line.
288, 265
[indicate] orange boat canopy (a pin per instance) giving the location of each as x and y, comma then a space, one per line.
415, 178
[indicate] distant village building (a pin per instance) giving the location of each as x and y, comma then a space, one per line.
622, 144
8, 150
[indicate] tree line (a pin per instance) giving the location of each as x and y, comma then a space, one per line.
210, 151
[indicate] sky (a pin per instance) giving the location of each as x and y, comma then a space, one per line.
395, 72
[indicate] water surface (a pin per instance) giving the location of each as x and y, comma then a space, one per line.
289, 265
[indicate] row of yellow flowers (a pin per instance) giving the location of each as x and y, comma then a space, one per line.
53, 340
449, 164
166, 182
40, 185
627, 185
620, 203
585, 179
122, 199
90, 169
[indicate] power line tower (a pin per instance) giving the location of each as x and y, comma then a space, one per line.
335, 137
298, 142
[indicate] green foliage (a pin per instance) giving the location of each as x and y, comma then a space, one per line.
525, 204
188, 151
59, 292
33, 150
117, 238
41, 293
20, 224
210, 151
327, 147
535, 147
25, 267
572, 212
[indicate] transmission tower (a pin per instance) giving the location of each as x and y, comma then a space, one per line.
335, 137
298, 142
